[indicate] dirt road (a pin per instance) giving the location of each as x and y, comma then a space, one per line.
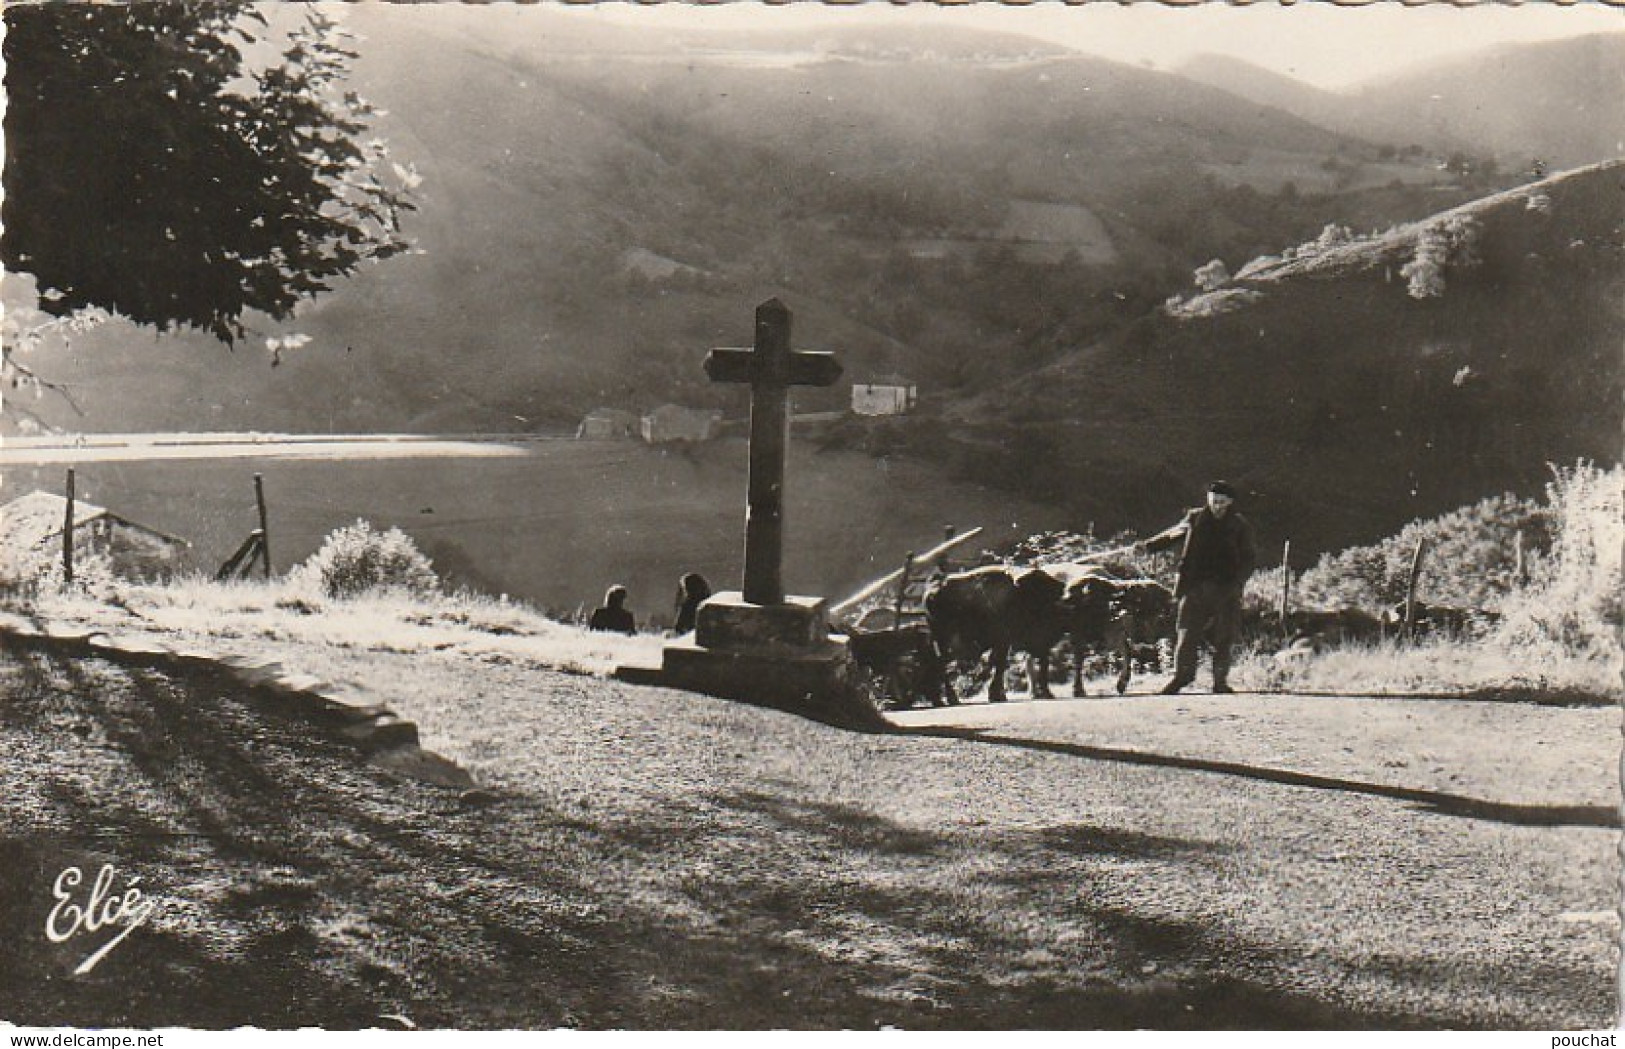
651, 859
1559, 764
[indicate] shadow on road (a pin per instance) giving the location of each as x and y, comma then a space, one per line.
1439, 801
302, 889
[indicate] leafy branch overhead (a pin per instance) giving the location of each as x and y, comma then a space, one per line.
153, 170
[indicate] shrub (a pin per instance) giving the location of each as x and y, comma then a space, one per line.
1424, 274
1573, 599
1470, 561
357, 560
1333, 236
1061, 546
1213, 276
38, 576
1446, 243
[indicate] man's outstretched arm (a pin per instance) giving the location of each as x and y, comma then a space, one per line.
1167, 538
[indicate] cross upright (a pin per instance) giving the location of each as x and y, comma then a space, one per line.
770, 368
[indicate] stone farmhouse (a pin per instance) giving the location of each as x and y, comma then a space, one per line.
673, 422
609, 424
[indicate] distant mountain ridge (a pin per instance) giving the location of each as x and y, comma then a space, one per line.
999, 216
821, 182
1559, 104
1268, 88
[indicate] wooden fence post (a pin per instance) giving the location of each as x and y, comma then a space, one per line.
1410, 586
67, 534
265, 528
1286, 586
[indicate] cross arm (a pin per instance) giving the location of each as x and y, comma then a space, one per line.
813, 369
730, 365
804, 368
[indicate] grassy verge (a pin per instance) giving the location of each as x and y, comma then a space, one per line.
250, 613
1478, 668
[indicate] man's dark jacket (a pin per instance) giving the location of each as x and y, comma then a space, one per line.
1217, 549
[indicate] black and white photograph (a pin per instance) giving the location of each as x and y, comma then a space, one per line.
656, 517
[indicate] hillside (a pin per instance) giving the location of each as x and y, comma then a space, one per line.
882, 187
1268, 88
1554, 104
1341, 403
1561, 104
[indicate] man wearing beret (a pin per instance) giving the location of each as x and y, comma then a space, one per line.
1215, 561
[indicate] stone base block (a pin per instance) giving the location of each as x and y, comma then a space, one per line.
779, 656
814, 682
775, 678
726, 621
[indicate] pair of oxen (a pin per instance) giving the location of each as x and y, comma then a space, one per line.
997, 609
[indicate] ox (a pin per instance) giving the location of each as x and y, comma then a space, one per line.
1107, 613
993, 609
905, 664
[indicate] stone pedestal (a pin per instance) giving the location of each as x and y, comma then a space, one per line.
779, 656
727, 622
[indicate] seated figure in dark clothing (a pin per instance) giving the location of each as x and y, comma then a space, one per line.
614, 615
691, 590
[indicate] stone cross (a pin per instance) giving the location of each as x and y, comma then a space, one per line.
771, 368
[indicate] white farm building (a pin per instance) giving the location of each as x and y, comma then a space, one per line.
890, 395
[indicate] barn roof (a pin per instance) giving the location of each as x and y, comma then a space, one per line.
612, 414
886, 380
33, 518
669, 410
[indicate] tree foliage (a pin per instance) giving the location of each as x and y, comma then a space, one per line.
1446, 242
156, 171
1212, 276
1470, 559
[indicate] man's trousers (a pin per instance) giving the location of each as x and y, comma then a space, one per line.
1212, 610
